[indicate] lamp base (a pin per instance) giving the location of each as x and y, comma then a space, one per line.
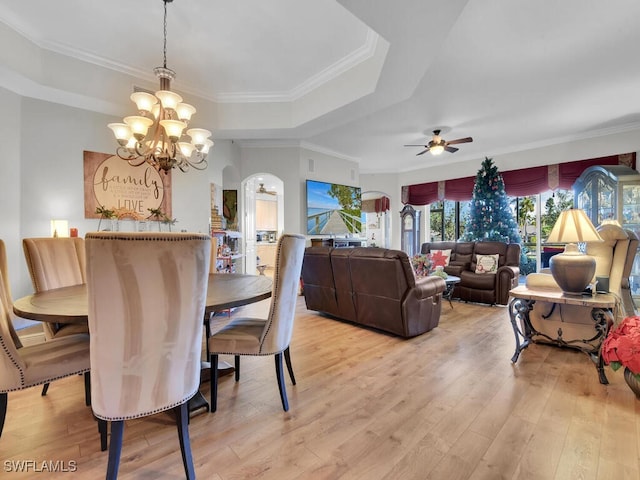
572, 270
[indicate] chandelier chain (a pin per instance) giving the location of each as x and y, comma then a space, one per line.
164, 51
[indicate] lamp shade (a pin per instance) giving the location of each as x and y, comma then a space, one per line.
573, 226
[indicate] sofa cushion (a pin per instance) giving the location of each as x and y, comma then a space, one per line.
478, 281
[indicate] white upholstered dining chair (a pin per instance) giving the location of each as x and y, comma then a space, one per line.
265, 336
147, 295
23, 367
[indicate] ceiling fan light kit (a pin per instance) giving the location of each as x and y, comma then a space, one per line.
437, 145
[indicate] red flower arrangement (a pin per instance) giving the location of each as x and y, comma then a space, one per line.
421, 264
622, 346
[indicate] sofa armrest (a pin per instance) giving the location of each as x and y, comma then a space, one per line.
506, 279
427, 287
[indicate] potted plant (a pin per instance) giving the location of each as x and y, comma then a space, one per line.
104, 213
621, 348
162, 218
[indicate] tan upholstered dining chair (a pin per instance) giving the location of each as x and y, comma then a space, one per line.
270, 336
147, 294
55, 263
23, 367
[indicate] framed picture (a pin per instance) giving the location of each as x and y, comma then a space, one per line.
230, 208
130, 192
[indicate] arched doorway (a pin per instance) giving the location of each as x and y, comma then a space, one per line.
262, 208
375, 205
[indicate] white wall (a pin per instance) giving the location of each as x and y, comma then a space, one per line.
10, 128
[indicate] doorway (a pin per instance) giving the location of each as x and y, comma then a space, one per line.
263, 221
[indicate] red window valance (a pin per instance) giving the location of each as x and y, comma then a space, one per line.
459, 189
517, 183
376, 205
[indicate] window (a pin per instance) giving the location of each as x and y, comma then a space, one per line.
447, 220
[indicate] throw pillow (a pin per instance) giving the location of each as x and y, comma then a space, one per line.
487, 263
440, 258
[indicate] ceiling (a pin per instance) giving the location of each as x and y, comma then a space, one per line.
355, 78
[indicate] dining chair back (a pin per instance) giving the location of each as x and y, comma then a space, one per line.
270, 336
56, 262
23, 367
147, 295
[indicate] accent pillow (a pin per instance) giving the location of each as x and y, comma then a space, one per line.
487, 263
440, 258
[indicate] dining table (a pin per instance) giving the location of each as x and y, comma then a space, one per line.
70, 305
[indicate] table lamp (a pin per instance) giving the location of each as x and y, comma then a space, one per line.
573, 270
59, 228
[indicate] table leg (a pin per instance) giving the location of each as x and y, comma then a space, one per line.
519, 310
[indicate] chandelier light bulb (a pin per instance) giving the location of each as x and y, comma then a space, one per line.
144, 101
173, 129
139, 126
198, 136
186, 148
207, 145
185, 111
169, 99
121, 131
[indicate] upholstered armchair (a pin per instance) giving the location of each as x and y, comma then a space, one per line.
147, 294
23, 367
548, 318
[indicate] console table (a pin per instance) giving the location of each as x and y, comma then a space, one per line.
337, 242
599, 307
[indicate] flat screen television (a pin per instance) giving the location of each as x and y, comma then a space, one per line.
334, 209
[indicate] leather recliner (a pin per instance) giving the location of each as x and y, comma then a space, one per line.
374, 287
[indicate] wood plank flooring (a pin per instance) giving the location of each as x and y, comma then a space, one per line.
447, 405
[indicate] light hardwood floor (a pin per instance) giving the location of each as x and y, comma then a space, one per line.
445, 405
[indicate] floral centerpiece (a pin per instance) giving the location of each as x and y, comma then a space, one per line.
621, 348
421, 264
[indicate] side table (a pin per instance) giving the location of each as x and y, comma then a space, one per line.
451, 282
599, 307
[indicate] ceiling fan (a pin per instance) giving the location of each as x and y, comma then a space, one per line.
261, 189
437, 145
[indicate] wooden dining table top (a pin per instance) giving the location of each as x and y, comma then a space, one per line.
70, 304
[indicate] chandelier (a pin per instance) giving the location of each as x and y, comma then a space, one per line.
157, 134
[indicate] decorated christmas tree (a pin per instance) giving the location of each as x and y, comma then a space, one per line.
490, 217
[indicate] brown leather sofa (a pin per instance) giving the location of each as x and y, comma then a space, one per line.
491, 288
375, 287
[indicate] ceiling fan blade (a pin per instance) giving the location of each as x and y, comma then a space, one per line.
460, 140
415, 145
451, 149
424, 151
